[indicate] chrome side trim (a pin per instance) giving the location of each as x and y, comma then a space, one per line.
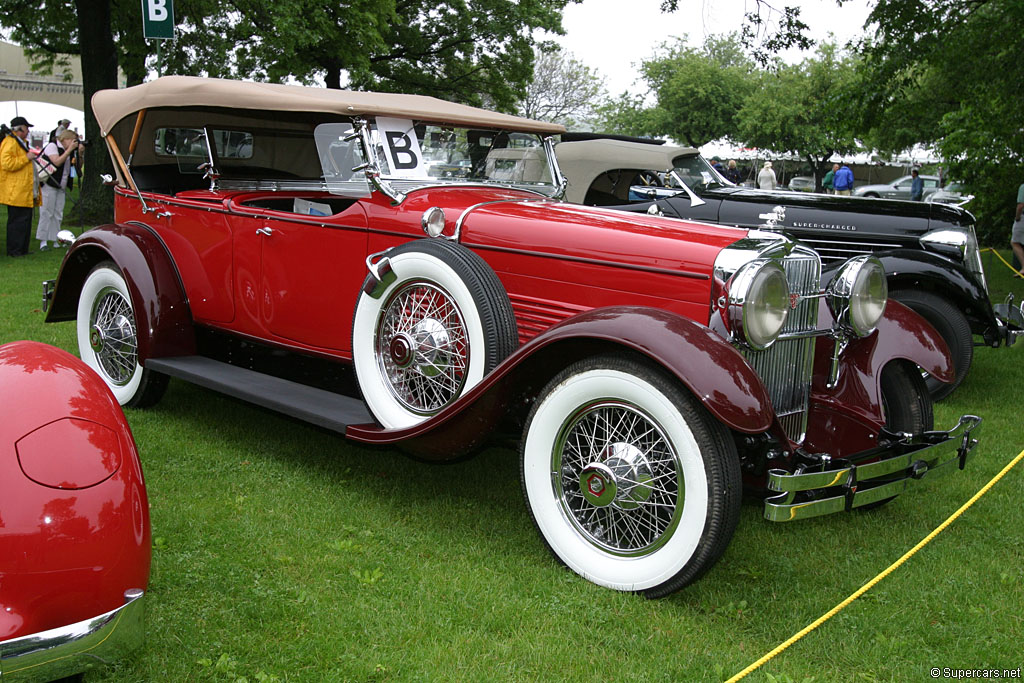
71, 649
893, 469
462, 217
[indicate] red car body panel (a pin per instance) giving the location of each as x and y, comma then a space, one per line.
74, 517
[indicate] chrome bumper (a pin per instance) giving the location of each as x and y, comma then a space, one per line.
71, 649
839, 485
1010, 319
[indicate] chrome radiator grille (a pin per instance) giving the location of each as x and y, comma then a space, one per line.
839, 250
787, 365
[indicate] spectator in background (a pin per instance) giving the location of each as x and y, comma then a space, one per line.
732, 174
829, 177
1017, 236
17, 185
716, 163
766, 178
52, 211
62, 126
842, 181
916, 186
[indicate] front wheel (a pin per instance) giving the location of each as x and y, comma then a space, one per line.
108, 338
630, 482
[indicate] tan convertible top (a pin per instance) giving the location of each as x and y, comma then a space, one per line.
110, 106
583, 161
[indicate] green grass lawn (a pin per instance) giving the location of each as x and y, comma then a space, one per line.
283, 552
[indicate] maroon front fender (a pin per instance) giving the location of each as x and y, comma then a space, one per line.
850, 414
704, 362
161, 310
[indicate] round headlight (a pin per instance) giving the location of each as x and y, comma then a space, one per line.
858, 294
758, 303
433, 221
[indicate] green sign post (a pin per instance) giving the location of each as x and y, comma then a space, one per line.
158, 19
158, 24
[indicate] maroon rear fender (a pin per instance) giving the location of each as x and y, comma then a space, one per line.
161, 310
704, 362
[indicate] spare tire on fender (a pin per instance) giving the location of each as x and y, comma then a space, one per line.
429, 331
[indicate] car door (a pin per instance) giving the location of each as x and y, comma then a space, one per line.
898, 190
310, 276
301, 273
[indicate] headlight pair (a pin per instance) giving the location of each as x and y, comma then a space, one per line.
758, 299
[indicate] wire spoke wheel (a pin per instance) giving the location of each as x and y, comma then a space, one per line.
112, 336
618, 478
428, 330
422, 347
630, 481
108, 339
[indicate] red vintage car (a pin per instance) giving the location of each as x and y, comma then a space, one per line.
399, 269
74, 519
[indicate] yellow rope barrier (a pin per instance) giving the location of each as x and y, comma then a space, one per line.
866, 587
1000, 257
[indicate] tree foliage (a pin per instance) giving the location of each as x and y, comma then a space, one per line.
697, 93
563, 90
949, 73
804, 109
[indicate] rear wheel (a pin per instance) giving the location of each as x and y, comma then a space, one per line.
108, 338
630, 482
952, 326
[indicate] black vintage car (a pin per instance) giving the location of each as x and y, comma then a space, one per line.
929, 250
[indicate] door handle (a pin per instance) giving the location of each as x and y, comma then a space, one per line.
264, 231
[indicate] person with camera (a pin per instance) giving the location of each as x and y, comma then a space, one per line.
56, 158
18, 185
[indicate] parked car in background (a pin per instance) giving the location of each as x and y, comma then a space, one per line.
648, 366
897, 189
801, 183
74, 519
953, 193
929, 251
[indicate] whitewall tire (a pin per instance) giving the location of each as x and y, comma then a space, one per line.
430, 330
629, 480
108, 338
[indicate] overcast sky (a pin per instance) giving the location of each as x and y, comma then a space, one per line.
613, 36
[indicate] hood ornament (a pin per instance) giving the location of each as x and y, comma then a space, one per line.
772, 219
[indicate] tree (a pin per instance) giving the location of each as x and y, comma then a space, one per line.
563, 90
948, 73
804, 109
697, 93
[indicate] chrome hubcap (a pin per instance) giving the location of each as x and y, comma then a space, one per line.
618, 479
422, 347
112, 337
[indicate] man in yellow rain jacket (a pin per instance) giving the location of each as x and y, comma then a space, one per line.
17, 186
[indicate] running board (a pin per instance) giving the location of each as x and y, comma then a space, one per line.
322, 408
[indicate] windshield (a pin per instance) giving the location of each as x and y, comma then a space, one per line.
697, 173
417, 153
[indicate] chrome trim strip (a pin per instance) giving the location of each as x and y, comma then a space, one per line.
71, 649
462, 217
908, 459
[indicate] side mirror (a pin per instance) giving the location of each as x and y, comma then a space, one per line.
108, 179
65, 237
